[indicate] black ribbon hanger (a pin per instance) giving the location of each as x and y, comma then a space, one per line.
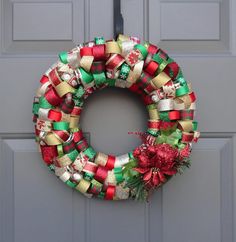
118, 19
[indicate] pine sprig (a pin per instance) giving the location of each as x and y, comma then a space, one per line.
183, 165
137, 188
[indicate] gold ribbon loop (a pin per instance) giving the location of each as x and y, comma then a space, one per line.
64, 161
51, 139
160, 80
112, 47
63, 88
74, 121
187, 101
101, 159
86, 62
153, 113
83, 186
186, 125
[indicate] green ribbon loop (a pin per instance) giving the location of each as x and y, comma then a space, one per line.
180, 77
90, 152
79, 92
35, 108
142, 50
156, 57
111, 82
181, 81
101, 195
86, 76
195, 125
43, 103
78, 102
99, 78
153, 132
63, 56
164, 115
71, 184
182, 90
131, 156
60, 125
118, 174
99, 40
88, 176
73, 154
124, 71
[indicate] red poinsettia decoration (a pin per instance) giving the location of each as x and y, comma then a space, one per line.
155, 162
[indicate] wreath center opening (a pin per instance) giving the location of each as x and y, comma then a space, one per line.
113, 117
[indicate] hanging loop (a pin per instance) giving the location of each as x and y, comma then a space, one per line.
118, 19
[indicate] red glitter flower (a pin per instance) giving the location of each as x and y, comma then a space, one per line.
155, 162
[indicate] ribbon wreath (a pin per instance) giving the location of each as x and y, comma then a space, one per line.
125, 63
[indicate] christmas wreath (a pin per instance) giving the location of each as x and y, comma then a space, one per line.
142, 68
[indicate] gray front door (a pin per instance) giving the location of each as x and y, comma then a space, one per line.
195, 207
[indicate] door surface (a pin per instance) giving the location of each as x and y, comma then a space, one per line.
195, 207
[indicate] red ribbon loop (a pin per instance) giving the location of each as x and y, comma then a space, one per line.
110, 193
52, 97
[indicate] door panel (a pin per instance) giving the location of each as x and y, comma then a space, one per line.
197, 206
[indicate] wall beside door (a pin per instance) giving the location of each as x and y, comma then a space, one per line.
197, 206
